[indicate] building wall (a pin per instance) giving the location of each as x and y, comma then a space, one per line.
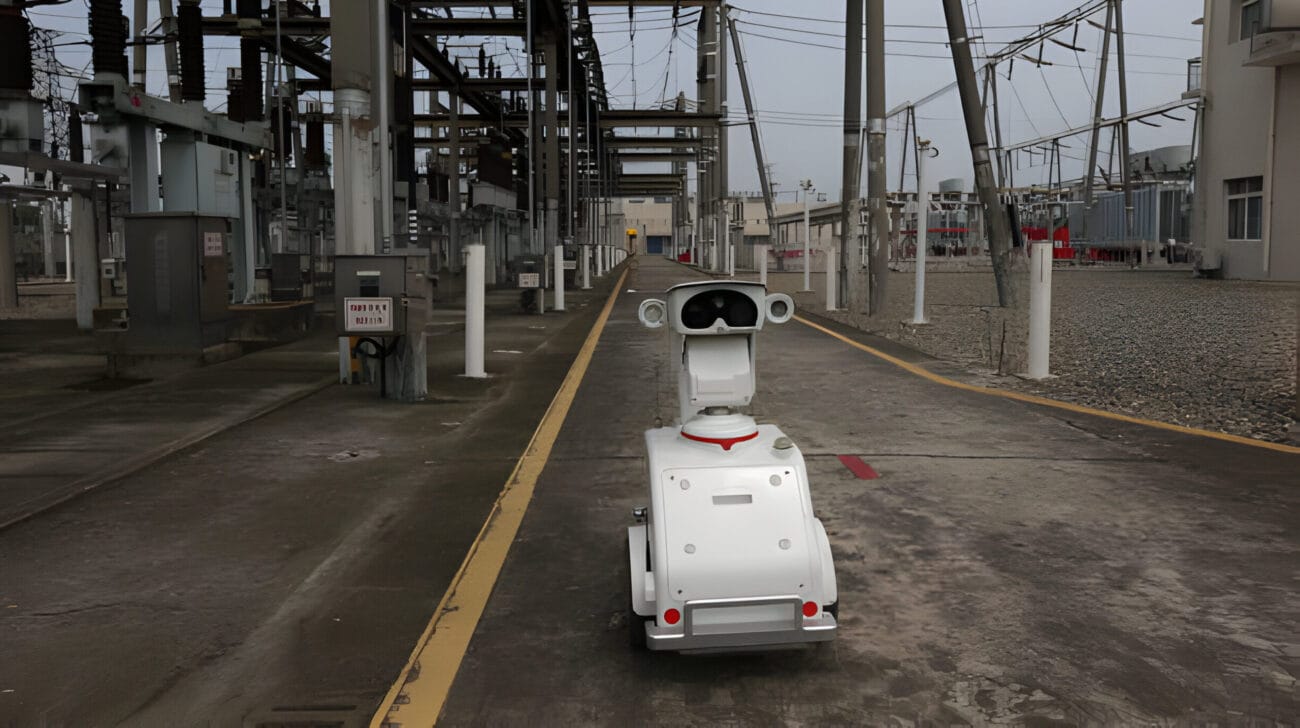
1251, 113
1284, 227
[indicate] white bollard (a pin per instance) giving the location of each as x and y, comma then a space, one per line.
1040, 310
922, 230
558, 269
731, 261
831, 276
585, 261
474, 310
760, 251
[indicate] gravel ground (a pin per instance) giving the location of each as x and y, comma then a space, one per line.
1217, 355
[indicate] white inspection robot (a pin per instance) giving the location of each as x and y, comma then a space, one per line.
728, 554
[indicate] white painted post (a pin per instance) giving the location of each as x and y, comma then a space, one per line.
731, 260
474, 310
761, 252
84, 257
830, 278
807, 261
585, 262
558, 268
922, 230
1040, 309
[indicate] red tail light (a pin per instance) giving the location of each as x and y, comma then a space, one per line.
672, 616
810, 609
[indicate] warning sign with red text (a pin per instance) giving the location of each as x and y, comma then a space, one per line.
367, 315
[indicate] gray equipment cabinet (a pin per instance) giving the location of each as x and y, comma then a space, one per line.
370, 294
178, 297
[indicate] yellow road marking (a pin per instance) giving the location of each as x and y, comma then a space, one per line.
426, 680
1032, 399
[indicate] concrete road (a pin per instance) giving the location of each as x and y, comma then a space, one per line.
276, 573
1014, 564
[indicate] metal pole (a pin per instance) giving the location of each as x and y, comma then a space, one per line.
454, 260
530, 136
973, 111
1123, 131
283, 129
8, 267
1091, 172
383, 77
852, 140
877, 202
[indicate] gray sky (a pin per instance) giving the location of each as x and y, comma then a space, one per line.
798, 81
798, 87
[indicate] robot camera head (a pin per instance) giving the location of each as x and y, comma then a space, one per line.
716, 308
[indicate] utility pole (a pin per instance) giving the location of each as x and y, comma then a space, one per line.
985, 185
852, 142
1096, 114
1123, 130
764, 181
877, 201
720, 170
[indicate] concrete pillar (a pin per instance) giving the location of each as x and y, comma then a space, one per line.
85, 258
8, 270
244, 255
354, 174
832, 277
584, 261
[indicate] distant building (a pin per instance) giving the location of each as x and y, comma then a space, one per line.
1247, 208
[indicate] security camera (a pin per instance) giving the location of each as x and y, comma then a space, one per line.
714, 345
717, 308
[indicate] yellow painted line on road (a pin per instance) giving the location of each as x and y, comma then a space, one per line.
1044, 401
416, 699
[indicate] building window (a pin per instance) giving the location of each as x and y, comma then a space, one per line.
1245, 207
1252, 18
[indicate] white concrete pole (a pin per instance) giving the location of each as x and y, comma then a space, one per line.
584, 260
760, 251
47, 237
558, 268
731, 260
922, 229
474, 310
1040, 309
807, 261
85, 255
831, 271
67, 257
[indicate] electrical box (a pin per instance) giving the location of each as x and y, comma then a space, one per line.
176, 262
529, 271
370, 292
108, 269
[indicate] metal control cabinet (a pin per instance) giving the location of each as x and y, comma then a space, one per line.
178, 297
370, 293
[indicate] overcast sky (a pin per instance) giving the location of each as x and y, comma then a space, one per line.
796, 66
